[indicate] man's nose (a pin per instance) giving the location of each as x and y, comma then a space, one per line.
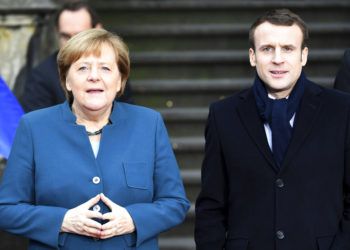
278, 56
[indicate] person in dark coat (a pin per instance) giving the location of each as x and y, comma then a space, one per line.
342, 80
42, 87
276, 171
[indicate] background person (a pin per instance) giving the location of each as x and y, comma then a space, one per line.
342, 80
276, 171
42, 87
111, 170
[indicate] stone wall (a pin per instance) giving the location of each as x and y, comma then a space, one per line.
19, 21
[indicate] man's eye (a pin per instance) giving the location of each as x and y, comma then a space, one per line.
65, 36
105, 68
288, 49
267, 49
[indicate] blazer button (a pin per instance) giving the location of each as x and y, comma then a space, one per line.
96, 180
280, 234
96, 208
279, 183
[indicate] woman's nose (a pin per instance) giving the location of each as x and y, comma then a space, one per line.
93, 74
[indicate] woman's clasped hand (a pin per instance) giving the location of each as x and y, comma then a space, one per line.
82, 220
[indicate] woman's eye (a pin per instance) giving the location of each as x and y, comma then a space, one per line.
105, 68
83, 68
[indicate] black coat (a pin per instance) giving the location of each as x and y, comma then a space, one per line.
247, 203
43, 89
342, 80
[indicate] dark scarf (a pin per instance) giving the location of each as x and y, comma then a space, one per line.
277, 113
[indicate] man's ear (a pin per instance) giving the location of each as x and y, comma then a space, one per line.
304, 55
98, 26
252, 58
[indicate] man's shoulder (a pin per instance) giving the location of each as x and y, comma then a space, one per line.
231, 101
48, 64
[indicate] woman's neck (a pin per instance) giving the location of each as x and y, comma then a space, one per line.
92, 120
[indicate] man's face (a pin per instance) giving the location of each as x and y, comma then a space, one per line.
278, 57
71, 23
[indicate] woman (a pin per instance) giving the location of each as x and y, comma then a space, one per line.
92, 173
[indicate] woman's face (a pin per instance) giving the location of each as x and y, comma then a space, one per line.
94, 80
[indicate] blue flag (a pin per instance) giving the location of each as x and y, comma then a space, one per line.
10, 113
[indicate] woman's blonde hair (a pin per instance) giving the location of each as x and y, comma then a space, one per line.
90, 42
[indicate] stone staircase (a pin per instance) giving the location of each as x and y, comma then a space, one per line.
187, 54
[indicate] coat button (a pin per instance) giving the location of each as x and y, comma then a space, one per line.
96, 208
280, 234
96, 180
279, 183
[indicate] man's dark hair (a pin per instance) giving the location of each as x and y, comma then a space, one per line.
281, 17
75, 6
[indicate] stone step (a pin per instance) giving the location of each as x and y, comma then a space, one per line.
193, 93
206, 11
191, 176
213, 29
202, 86
184, 229
227, 36
184, 114
216, 64
187, 144
189, 151
185, 121
220, 56
192, 182
218, 4
177, 243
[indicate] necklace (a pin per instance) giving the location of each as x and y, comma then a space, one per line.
97, 132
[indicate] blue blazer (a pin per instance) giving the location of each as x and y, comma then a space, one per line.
52, 166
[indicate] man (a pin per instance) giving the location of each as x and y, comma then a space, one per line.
276, 173
342, 80
42, 87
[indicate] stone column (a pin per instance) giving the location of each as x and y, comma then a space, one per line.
19, 20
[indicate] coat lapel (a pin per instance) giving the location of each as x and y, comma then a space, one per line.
115, 135
248, 113
305, 120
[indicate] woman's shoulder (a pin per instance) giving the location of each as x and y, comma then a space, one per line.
45, 114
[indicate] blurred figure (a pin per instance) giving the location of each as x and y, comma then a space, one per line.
110, 179
342, 80
42, 87
10, 113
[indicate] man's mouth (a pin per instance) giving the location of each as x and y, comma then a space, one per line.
278, 73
